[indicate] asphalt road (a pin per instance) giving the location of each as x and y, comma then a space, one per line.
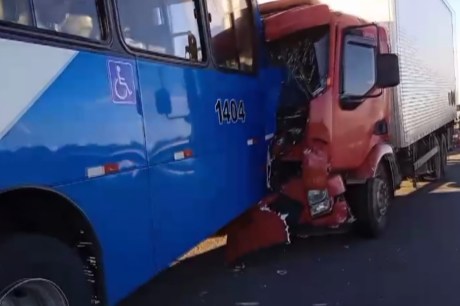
417, 262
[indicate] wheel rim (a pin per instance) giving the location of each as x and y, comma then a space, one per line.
382, 200
33, 292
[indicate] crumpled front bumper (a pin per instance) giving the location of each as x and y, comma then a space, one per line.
278, 216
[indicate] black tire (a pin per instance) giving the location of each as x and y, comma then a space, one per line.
444, 153
370, 202
436, 161
35, 256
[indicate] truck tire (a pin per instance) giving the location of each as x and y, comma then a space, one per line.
40, 270
444, 154
369, 203
436, 161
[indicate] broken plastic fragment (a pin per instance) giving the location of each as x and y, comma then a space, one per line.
238, 268
281, 272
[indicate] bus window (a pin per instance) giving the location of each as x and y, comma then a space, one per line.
232, 33
16, 11
167, 27
74, 17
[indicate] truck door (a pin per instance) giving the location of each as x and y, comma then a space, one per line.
362, 114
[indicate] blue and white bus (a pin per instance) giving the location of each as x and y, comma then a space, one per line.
129, 131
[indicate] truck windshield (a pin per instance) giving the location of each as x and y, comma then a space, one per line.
306, 58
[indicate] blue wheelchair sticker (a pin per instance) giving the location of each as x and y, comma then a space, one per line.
122, 82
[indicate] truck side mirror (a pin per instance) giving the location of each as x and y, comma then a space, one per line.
387, 70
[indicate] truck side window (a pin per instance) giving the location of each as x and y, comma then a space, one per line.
358, 69
231, 27
162, 26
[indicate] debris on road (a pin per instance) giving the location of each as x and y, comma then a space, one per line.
239, 268
281, 272
203, 293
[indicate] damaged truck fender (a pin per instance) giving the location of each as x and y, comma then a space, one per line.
381, 153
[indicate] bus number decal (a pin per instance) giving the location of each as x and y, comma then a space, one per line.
230, 111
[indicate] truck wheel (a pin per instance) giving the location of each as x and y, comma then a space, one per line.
443, 155
370, 202
437, 161
38, 270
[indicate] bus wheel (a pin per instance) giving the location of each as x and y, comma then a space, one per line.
38, 270
370, 203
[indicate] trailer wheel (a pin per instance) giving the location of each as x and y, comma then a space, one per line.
436, 161
38, 270
444, 151
370, 202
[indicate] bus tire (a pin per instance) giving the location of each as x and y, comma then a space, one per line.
370, 203
35, 267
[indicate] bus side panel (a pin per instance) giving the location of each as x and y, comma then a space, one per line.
204, 173
57, 118
59, 126
118, 207
191, 200
271, 79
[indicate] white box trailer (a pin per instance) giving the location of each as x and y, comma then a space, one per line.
422, 34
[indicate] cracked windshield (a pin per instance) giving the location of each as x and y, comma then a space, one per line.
229, 153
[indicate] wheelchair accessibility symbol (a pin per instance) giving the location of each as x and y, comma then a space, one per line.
122, 82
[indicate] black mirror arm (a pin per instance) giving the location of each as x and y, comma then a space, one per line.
354, 98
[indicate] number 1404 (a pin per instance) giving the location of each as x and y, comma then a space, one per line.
230, 111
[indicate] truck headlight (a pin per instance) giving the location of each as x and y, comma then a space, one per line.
319, 202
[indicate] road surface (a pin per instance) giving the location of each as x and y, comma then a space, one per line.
417, 262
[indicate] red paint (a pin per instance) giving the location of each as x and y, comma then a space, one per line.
293, 20
315, 169
369, 167
294, 189
255, 230
335, 185
352, 131
188, 153
111, 168
278, 6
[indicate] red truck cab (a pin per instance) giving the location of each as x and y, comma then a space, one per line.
329, 162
